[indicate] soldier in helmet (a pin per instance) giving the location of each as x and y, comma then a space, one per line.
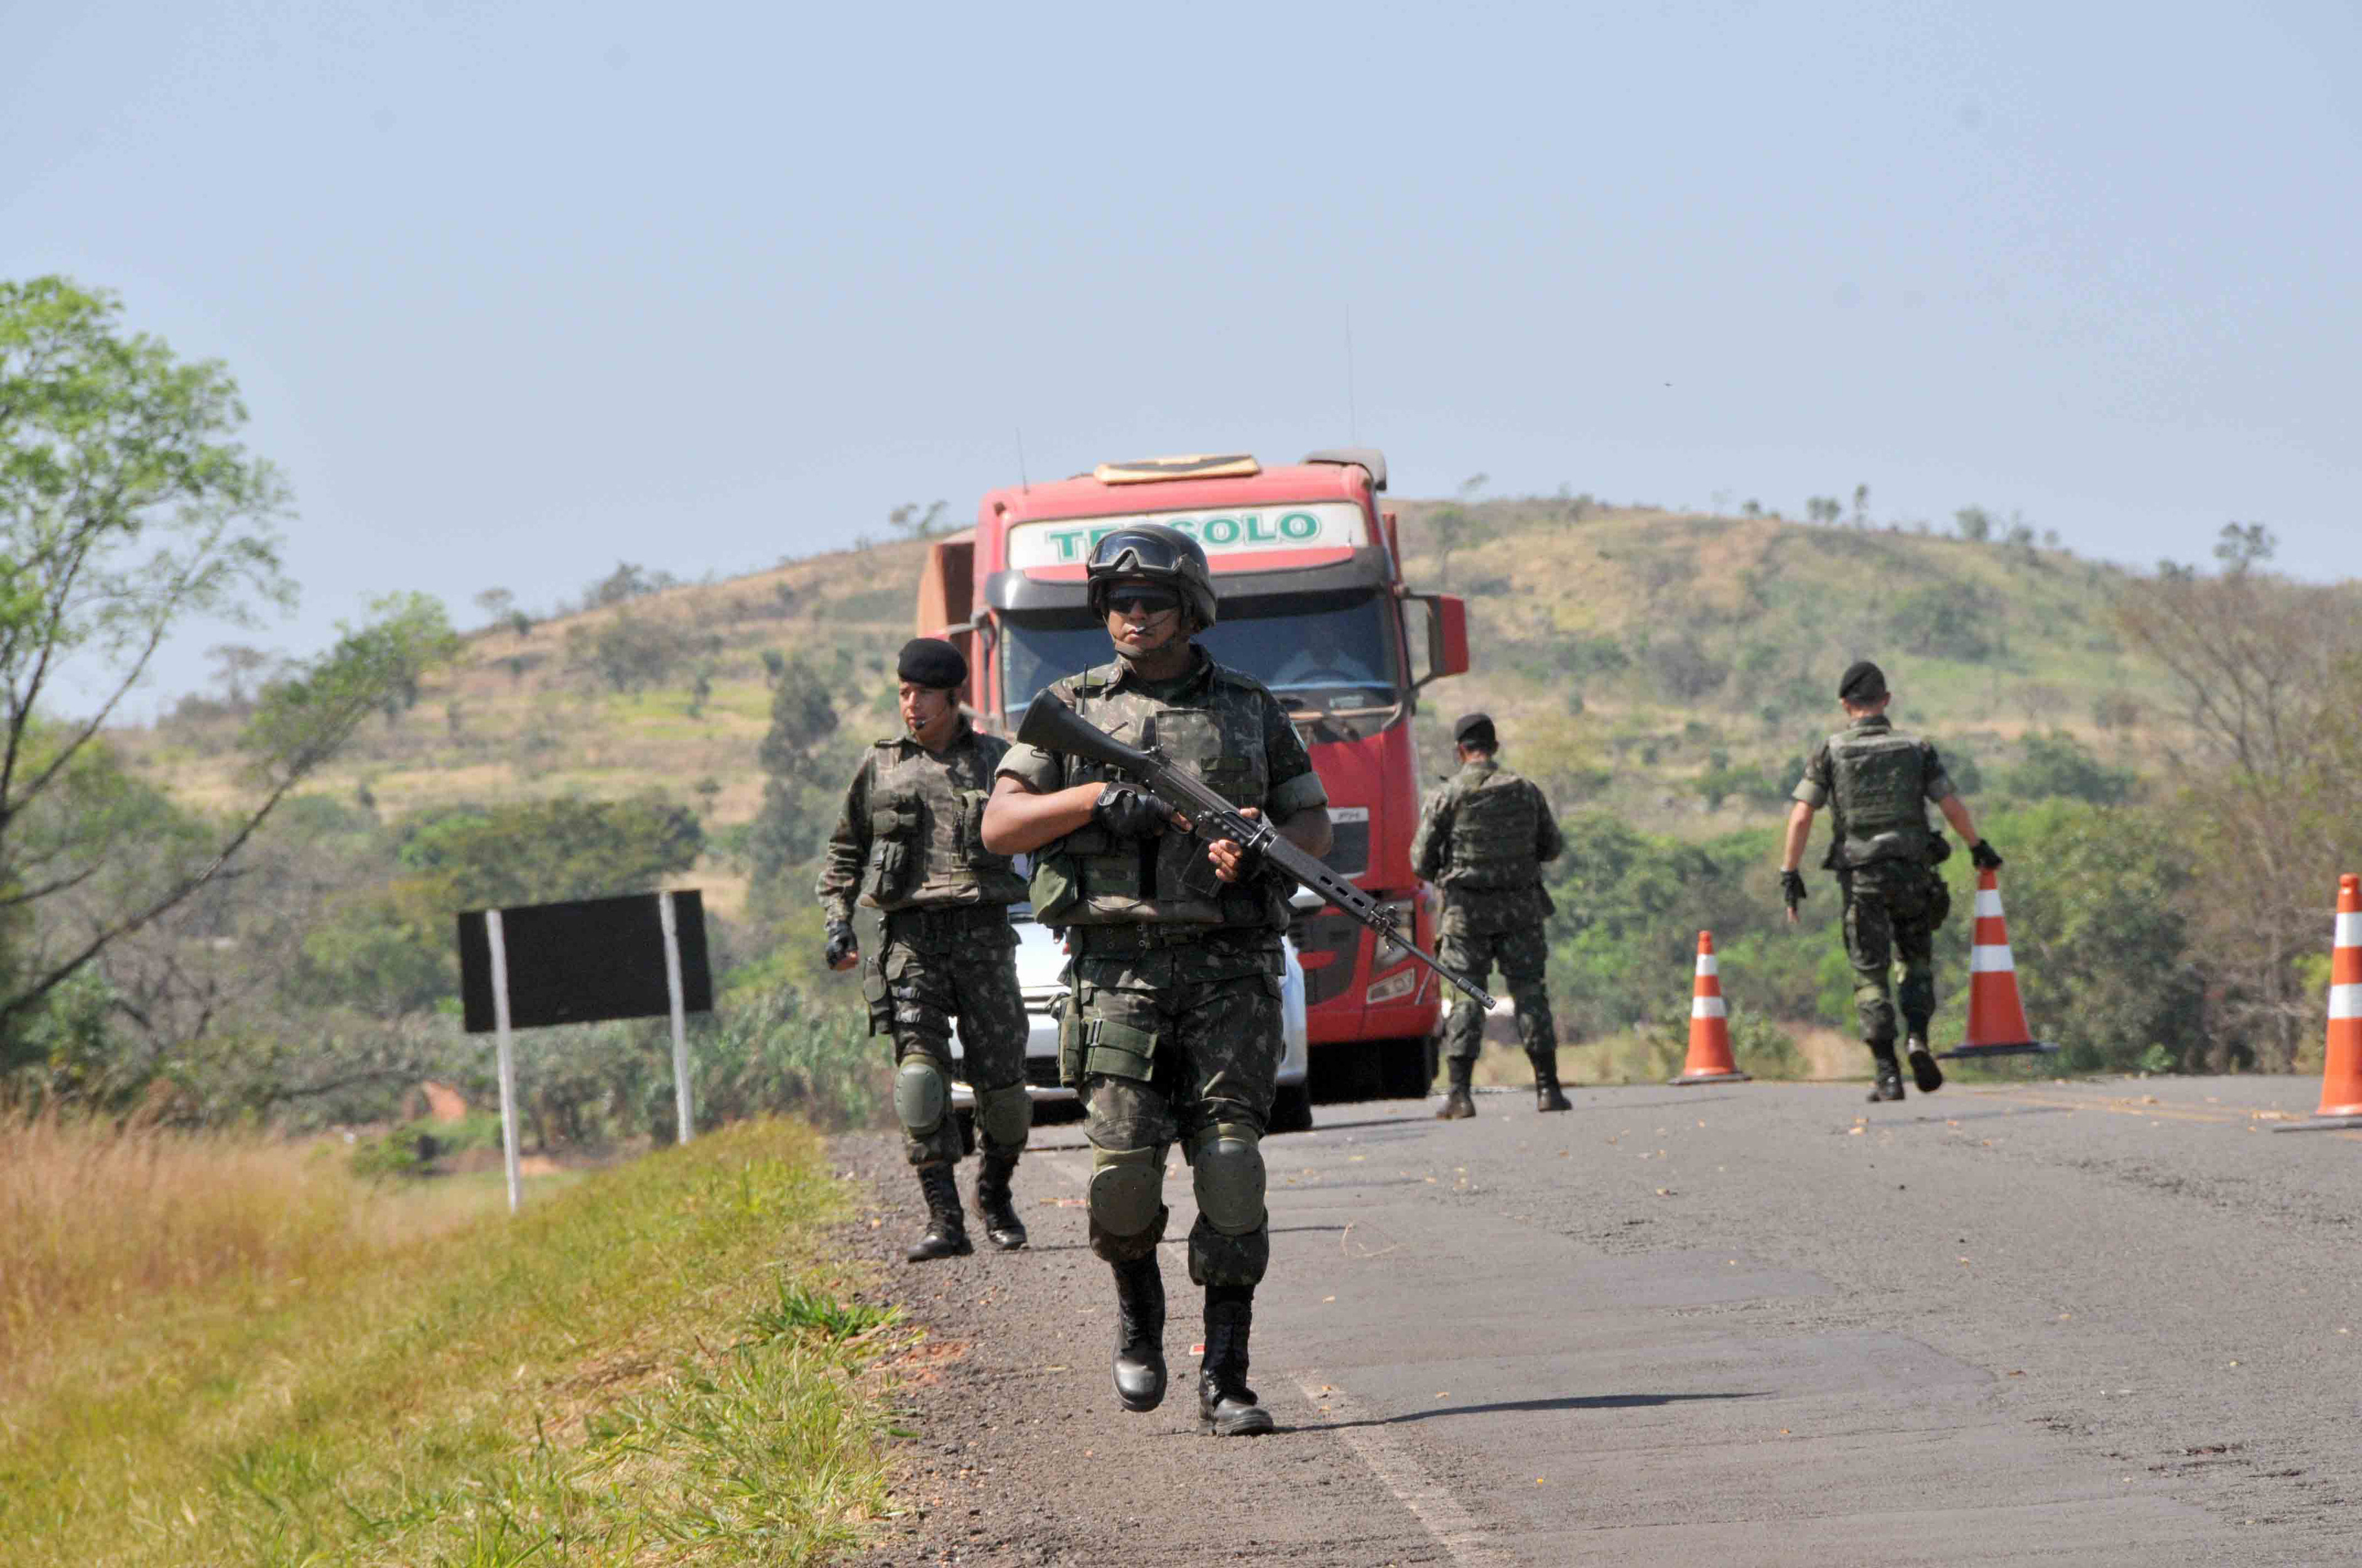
1484, 838
910, 845
1878, 781
1172, 1032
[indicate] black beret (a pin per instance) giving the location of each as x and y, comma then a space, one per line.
1474, 729
1864, 682
930, 661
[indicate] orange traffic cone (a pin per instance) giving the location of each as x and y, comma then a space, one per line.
1996, 1017
2341, 1069
1709, 1060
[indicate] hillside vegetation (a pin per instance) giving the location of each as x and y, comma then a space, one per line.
1674, 667
1663, 675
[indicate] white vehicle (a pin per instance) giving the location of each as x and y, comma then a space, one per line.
1042, 977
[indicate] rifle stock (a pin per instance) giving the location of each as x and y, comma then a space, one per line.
1050, 725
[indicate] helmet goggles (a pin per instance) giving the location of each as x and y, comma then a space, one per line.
1134, 552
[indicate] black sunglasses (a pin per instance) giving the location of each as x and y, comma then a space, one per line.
1145, 602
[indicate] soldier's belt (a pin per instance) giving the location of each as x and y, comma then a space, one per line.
1142, 936
945, 925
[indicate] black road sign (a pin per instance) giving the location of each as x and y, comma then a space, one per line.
583, 961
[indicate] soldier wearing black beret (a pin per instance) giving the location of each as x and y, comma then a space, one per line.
1878, 781
910, 845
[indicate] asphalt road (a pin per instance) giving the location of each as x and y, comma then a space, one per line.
2114, 1323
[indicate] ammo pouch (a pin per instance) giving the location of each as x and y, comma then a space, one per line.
1939, 900
1939, 849
972, 833
1055, 889
894, 864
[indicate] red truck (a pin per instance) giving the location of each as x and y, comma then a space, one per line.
1313, 605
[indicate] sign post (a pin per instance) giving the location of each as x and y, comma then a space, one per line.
495, 939
585, 962
679, 1020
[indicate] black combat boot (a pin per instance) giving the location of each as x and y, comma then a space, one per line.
1001, 1225
1923, 1070
1224, 1401
1890, 1074
1140, 1333
1546, 1090
1457, 1104
946, 1234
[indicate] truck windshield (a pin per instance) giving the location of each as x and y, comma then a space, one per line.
1328, 652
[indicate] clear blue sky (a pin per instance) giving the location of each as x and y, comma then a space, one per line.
517, 291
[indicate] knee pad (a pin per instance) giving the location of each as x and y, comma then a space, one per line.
1127, 1191
1226, 1161
1004, 1116
920, 1095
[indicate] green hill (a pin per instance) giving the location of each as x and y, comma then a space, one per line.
1670, 668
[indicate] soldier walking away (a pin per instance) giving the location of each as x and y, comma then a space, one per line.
1173, 1029
911, 845
1877, 780
1484, 838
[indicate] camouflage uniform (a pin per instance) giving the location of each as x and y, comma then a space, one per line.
1175, 1031
909, 845
1879, 781
1484, 837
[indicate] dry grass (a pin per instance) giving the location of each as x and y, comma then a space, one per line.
659, 1362
93, 1217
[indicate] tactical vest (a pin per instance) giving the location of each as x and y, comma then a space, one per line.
1495, 825
1878, 787
926, 830
1092, 878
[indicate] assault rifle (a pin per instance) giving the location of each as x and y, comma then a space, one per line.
1052, 725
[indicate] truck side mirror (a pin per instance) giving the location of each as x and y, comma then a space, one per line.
1447, 636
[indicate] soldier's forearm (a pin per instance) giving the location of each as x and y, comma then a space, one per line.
1800, 829
1016, 820
1956, 813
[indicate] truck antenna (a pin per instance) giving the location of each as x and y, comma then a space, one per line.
1352, 436
1022, 482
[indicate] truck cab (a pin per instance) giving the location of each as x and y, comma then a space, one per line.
1314, 605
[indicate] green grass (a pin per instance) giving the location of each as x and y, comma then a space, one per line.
657, 1365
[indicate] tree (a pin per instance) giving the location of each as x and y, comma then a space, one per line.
1861, 506
234, 663
911, 519
126, 507
2267, 671
496, 602
2242, 545
1823, 508
1974, 523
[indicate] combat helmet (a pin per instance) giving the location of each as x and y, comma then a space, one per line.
1152, 552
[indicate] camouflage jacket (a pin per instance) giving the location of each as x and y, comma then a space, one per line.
1877, 780
1224, 726
909, 837
1483, 837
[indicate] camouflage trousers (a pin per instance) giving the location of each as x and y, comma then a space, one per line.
915, 989
1177, 1044
1523, 954
1891, 910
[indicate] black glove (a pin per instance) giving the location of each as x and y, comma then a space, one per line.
1128, 811
1792, 888
840, 942
1985, 855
